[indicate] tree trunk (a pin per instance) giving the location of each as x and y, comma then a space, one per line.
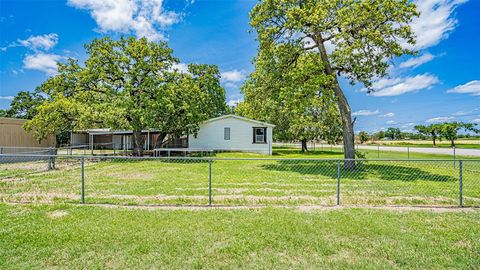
452, 143
345, 111
347, 127
434, 143
304, 145
137, 143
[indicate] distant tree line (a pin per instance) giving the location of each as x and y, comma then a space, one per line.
448, 131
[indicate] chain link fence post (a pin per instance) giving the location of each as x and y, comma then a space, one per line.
83, 180
51, 159
460, 165
378, 151
408, 152
210, 182
338, 181
454, 158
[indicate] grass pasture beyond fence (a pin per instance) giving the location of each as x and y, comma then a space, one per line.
239, 181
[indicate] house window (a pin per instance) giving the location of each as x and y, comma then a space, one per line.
259, 135
226, 133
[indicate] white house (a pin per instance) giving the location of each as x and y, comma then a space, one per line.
233, 133
224, 133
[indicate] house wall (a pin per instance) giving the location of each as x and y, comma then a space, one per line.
211, 136
77, 139
12, 134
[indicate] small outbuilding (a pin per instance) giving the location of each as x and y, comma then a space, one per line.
12, 134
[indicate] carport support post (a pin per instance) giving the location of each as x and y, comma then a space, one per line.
83, 180
460, 164
338, 182
210, 182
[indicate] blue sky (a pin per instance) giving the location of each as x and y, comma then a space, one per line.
441, 83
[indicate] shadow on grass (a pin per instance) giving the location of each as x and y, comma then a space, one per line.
364, 170
284, 151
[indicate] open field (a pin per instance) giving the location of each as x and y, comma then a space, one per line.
473, 143
280, 180
74, 237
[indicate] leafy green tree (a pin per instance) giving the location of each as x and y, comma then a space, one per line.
24, 105
129, 84
363, 35
433, 131
363, 136
3, 113
393, 133
292, 99
450, 130
378, 135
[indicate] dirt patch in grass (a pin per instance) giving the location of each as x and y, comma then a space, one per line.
13, 180
57, 214
39, 196
310, 208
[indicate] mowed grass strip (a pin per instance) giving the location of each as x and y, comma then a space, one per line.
242, 182
89, 237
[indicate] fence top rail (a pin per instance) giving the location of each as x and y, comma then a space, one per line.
26, 147
221, 158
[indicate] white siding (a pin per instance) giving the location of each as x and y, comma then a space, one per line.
211, 136
78, 139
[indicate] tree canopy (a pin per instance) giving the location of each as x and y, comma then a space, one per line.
363, 136
292, 99
433, 131
354, 39
129, 84
24, 105
450, 130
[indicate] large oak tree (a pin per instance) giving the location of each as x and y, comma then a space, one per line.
129, 84
354, 39
292, 99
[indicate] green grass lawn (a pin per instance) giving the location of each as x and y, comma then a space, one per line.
443, 145
268, 181
74, 237
336, 153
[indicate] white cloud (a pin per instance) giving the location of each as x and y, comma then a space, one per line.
391, 122
180, 67
388, 115
6, 97
408, 125
146, 18
233, 76
440, 119
417, 61
476, 121
472, 88
365, 113
42, 62
43, 42
399, 86
435, 23
459, 113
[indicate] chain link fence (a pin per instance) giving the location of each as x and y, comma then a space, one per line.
378, 151
237, 181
